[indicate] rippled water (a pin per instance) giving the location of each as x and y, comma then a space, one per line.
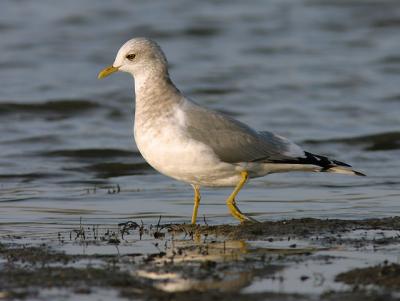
323, 73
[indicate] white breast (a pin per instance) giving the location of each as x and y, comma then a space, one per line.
165, 145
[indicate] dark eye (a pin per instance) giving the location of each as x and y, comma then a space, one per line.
131, 56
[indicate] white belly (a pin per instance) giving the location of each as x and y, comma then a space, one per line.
172, 153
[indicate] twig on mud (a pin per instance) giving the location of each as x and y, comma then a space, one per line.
126, 227
158, 223
141, 230
80, 233
157, 233
114, 189
114, 239
205, 237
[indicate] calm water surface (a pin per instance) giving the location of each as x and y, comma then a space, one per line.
326, 74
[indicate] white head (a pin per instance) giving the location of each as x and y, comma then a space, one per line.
138, 56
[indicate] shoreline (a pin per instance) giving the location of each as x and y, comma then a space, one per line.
298, 259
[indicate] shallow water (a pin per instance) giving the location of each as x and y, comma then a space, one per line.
310, 258
323, 73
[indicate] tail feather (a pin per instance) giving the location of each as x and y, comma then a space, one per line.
343, 170
325, 164
334, 166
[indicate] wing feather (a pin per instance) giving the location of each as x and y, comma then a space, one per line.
235, 142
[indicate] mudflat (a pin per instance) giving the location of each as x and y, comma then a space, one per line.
297, 259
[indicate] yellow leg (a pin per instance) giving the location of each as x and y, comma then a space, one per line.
231, 203
196, 203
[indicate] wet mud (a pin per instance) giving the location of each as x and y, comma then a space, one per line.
299, 259
303, 228
383, 275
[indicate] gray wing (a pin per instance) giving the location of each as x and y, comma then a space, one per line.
233, 141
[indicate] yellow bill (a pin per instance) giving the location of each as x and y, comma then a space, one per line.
107, 71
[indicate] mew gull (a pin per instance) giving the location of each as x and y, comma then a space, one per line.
197, 145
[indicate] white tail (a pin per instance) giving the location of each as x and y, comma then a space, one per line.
343, 170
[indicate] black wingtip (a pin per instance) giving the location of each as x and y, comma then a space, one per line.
357, 173
340, 163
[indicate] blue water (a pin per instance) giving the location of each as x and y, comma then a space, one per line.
323, 73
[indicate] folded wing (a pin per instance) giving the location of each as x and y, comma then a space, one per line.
235, 142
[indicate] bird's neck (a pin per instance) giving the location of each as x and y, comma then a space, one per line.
154, 91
